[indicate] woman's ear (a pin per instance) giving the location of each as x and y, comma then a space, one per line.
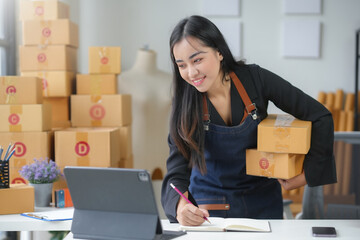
220, 56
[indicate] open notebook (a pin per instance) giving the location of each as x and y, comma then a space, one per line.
231, 224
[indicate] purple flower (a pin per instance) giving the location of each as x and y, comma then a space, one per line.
41, 171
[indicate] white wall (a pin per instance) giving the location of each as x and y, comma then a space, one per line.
130, 24
133, 23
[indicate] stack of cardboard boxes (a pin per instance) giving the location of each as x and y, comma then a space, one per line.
342, 107
49, 51
24, 122
101, 119
282, 144
47, 63
35, 104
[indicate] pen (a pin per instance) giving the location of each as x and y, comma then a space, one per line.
36, 216
1, 167
7, 151
177, 190
1, 151
12, 152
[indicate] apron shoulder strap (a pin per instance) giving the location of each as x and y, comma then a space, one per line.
250, 107
206, 117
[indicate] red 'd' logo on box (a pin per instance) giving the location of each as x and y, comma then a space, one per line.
20, 149
82, 148
104, 60
264, 163
97, 112
41, 57
46, 32
39, 10
18, 180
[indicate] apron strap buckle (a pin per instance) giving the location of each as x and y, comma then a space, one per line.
206, 122
252, 110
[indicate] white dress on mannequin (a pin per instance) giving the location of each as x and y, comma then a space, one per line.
151, 103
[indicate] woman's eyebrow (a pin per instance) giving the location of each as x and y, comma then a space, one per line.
195, 54
192, 56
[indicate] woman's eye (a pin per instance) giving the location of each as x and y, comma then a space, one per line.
197, 60
181, 65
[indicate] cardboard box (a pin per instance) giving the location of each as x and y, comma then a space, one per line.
101, 111
61, 183
19, 198
58, 125
273, 165
96, 84
25, 118
16, 178
95, 147
125, 142
28, 145
54, 83
20, 90
127, 162
50, 32
43, 10
60, 108
105, 60
49, 58
283, 133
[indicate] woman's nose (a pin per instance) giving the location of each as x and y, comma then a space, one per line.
192, 71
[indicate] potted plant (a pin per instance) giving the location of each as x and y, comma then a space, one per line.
41, 175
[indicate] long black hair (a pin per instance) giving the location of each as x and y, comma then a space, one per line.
186, 123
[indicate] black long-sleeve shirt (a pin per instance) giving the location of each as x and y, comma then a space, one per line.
263, 86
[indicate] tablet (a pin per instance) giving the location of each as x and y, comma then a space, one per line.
114, 203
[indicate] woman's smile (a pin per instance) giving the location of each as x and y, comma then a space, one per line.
198, 81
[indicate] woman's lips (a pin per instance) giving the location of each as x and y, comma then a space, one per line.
198, 81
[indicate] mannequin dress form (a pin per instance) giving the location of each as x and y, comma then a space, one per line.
151, 101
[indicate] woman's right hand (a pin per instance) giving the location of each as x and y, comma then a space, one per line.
189, 215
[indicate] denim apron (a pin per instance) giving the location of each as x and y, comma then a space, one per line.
225, 190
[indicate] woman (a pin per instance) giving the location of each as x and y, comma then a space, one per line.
214, 121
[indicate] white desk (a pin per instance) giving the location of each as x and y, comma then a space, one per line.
16, 222
281, 229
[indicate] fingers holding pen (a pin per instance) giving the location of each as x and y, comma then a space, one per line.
187, 213
190, 215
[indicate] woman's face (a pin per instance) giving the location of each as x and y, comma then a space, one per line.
198, 64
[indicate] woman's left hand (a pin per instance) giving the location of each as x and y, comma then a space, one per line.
292, 183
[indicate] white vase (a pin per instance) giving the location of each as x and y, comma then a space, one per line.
42, 194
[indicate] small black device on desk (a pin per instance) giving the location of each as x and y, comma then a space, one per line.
323, 231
